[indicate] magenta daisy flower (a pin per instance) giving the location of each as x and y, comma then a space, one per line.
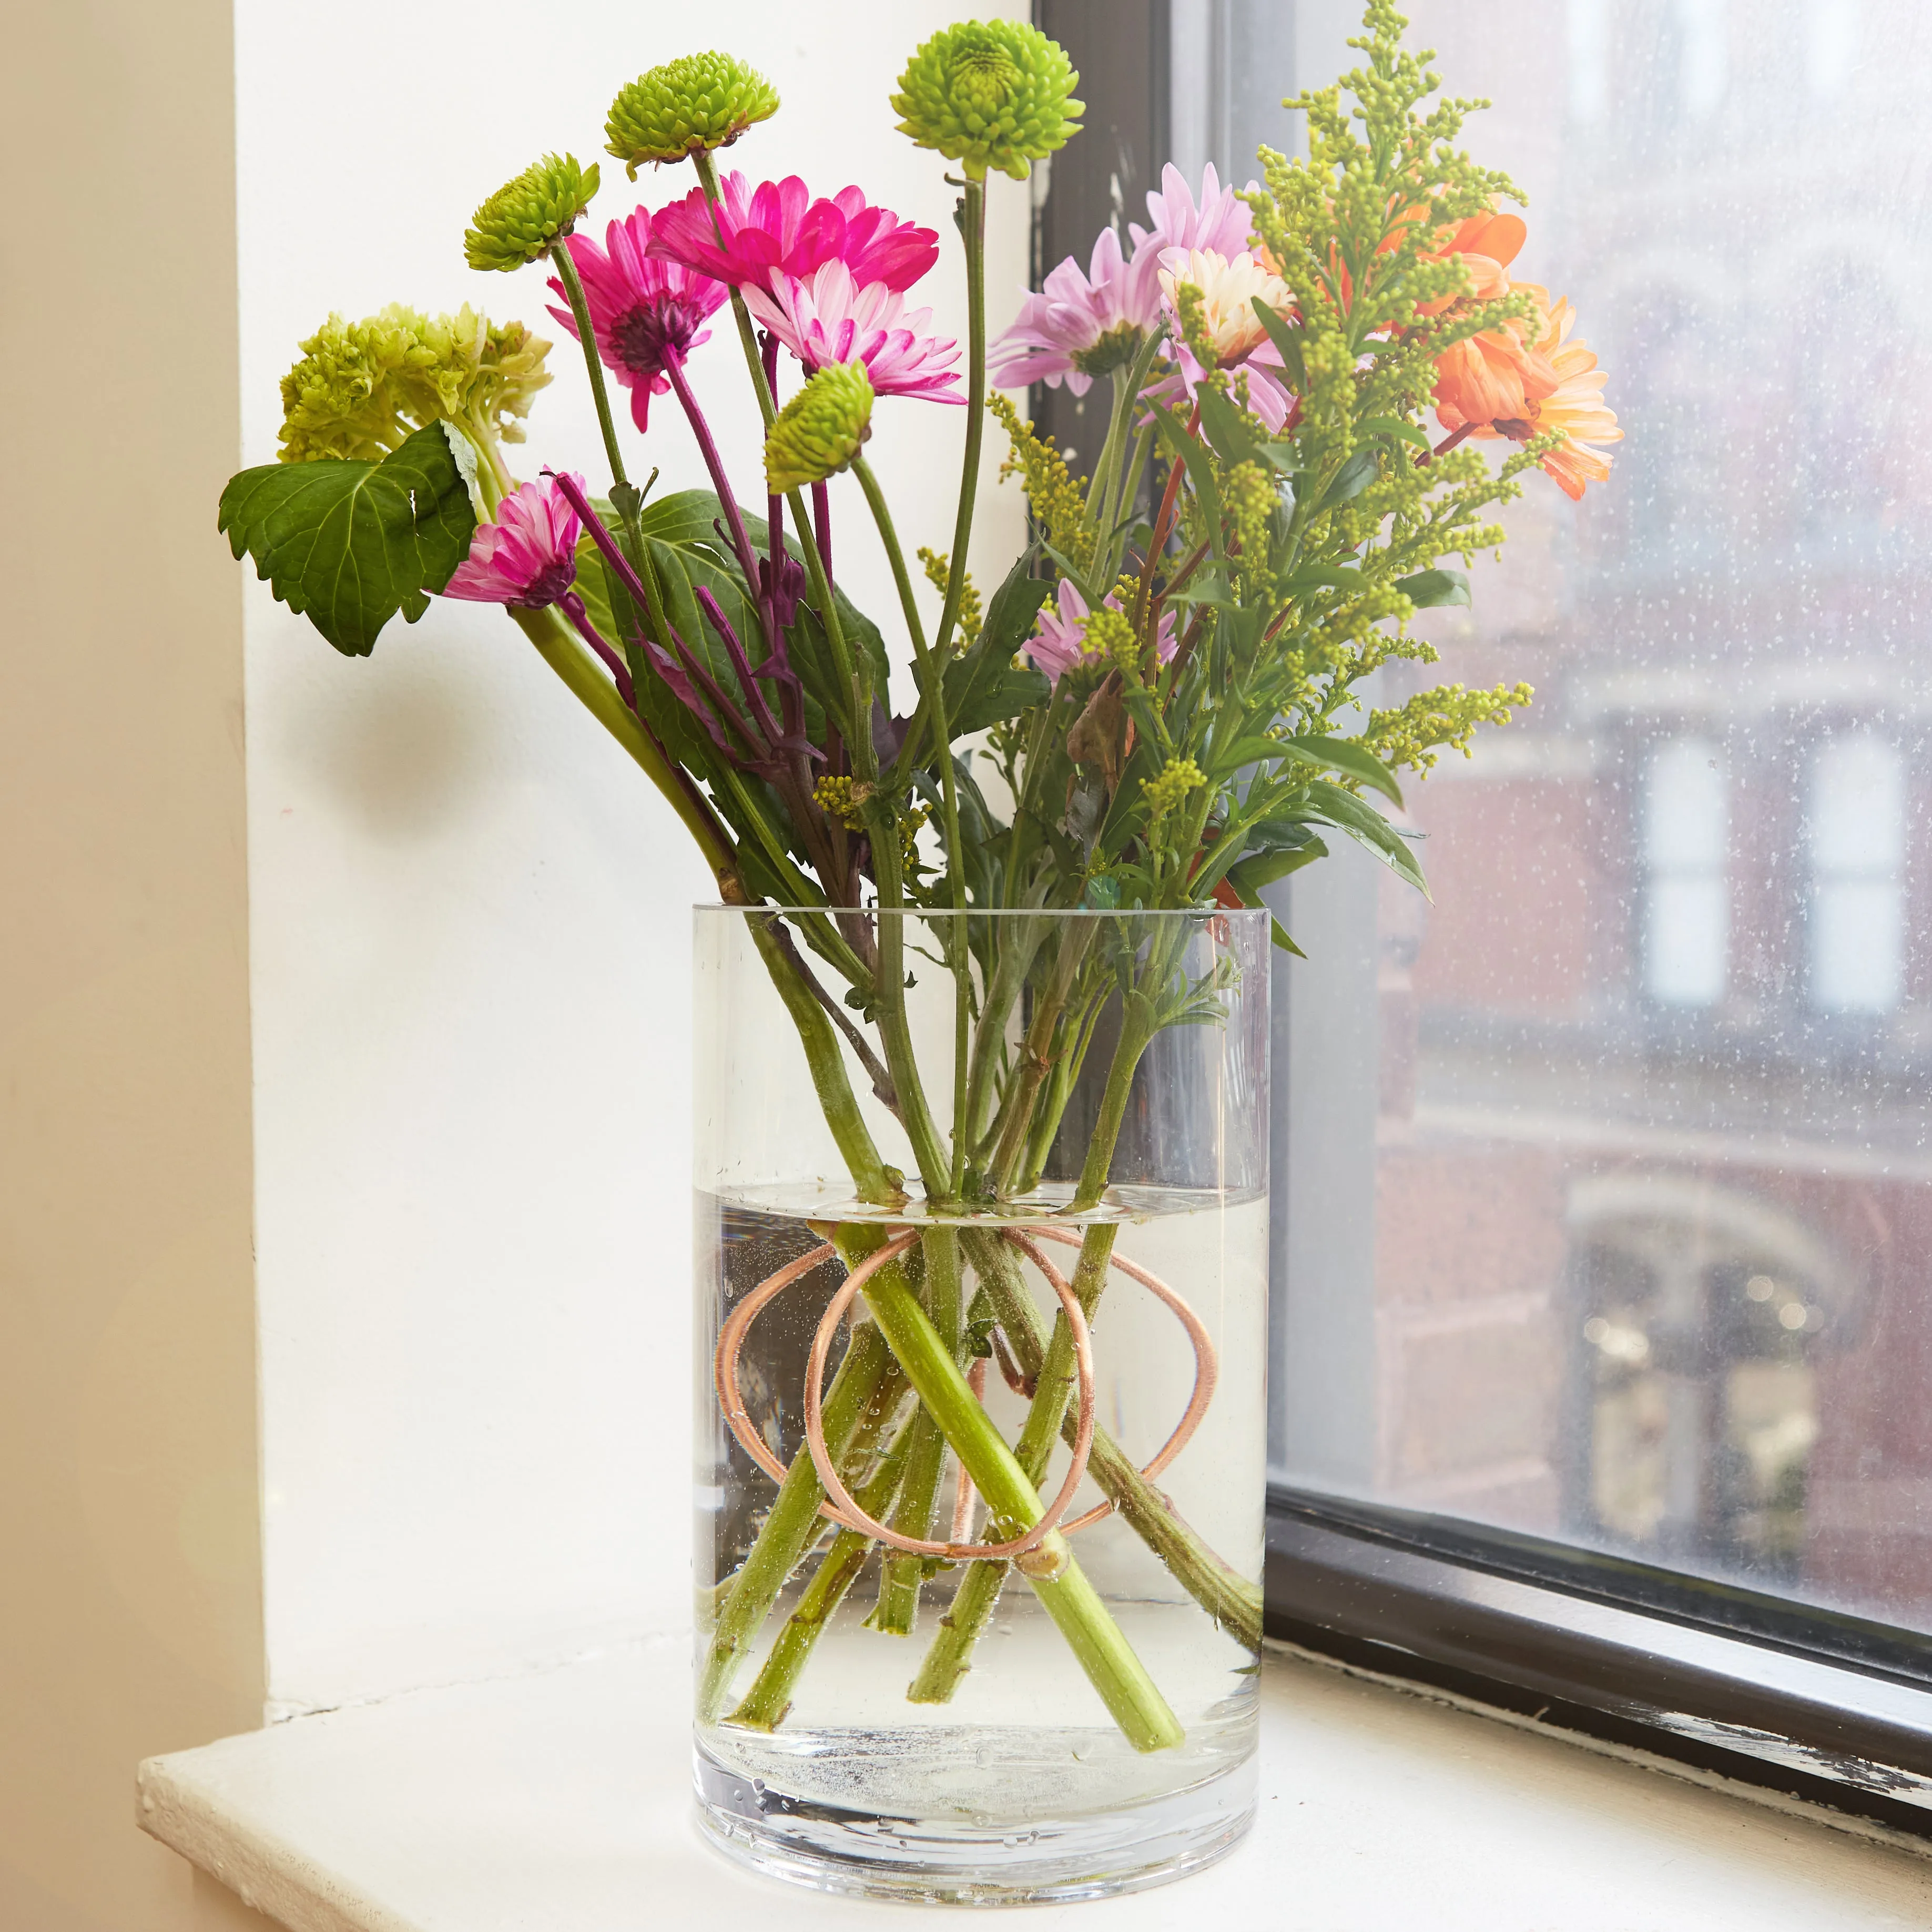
1059, 644
1079, 326
827, 317
645, 312
777, 229
528, 556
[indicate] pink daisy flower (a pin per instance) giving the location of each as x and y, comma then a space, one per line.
1079, 326
528, 556
827, 317
1059, 644
1220, 221
644, 312
778, 229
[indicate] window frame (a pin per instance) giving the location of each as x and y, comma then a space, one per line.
1826, 1709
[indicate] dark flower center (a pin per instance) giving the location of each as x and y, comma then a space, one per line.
549, 583
654, 333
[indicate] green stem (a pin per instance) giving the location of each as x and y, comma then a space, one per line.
1012, 1504
587, 337
764, 1705
974, 232
707, 176
561, 648
792, 1525
1035, 1060
900, 1574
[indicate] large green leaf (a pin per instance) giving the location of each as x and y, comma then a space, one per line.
1346, 755
982, 684
1367, 826
1430, 589
349, 544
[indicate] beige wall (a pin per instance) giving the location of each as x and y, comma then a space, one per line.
130, 1588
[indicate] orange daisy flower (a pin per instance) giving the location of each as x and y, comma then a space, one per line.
1575, 405
1500, 375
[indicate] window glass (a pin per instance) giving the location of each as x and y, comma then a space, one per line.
1605, 1194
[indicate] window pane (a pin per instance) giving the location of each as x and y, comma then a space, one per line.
1647, 1265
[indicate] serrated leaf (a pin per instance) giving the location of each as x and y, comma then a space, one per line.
349, 544
1345, 755
973, 678
1432, 589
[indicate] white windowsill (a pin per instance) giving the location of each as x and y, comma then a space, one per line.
560, 1802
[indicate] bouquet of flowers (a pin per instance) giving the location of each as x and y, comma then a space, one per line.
1151, 712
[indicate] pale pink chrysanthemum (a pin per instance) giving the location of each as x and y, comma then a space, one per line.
1230, 286
1078, 327
528, 556
645, 312
752, 238
1220, 221
827, 317
1059, 641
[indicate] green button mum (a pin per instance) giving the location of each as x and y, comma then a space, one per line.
820, 429
989, 94
521, 221
696, 102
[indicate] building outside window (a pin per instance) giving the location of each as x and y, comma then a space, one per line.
1687, 912
1855, 830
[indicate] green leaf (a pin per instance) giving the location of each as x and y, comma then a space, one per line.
1247, 880
1351, 480
1263, 869
1346, 755
1251, 750
1237, 436
1200, 468
1283, 456
349, 544
1430, 589
1207, 586
1367, 826
1322, 577
1287, 338
1409, 432
983, 684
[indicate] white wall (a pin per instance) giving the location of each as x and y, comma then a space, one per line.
469, 934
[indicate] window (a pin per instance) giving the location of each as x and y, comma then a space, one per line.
1600, 1341
1855, 833
1687, 918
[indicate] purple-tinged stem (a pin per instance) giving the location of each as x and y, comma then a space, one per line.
741, 664
571, 605
741, 541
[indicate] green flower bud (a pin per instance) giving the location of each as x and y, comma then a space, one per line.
1171, 785
820, 429
697, 101
989, 94
524, 218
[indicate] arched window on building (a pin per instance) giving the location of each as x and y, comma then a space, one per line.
1855, 827
1701, 1311
1686, 812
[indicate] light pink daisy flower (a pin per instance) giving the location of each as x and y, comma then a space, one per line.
752, 239
1059, 643
827, 317
1230, 286
645, 312
1079, 326
528, 556
1220, 221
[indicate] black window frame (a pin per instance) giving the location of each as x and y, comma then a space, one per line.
1827, 1709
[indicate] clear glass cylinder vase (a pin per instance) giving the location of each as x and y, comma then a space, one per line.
1037, 1141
